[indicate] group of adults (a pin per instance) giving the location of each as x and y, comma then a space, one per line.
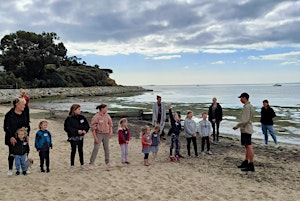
215, 113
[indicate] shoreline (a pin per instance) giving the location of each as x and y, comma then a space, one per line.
215, 176
7, 95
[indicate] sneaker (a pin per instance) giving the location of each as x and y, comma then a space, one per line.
91, 166
209, 152
276, 146
72, 169
17, 173
28, 171
42, 170
171, 159
82, 167
202, 153
196, 156
108, 166
129, 163
9, 173
177, 159
48, 170
24, 173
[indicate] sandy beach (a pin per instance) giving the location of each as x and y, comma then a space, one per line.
210, 177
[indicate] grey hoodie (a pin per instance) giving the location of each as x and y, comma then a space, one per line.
189, 127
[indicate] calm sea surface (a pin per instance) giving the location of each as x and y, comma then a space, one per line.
285, 99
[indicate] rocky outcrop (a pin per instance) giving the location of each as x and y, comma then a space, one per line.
7, 95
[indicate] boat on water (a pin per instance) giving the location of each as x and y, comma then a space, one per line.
277, 85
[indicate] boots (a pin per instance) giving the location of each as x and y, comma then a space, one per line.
171, 159
249, 167
243, 164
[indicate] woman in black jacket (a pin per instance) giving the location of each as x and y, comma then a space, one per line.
14, 119
215, 116
76, 127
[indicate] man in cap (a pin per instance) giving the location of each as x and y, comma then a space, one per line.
246, 129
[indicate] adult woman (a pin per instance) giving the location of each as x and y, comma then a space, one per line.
76, 126
101, 127
215, 116
14, 119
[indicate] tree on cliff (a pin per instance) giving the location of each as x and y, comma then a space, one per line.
36, 59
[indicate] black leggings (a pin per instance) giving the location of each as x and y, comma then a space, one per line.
75, 144
215, 126
146, 156
44, 156
194, 140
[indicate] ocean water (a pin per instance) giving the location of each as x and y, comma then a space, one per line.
284, 99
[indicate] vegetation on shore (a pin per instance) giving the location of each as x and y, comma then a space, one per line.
31, 60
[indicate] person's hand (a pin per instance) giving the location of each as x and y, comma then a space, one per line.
13, 141
96, 141
214, 120
193, 134
80, 132
27, 138
127, 142
110, 135
83, 132
169, 105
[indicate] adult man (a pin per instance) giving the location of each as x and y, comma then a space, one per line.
266, 120
215, 115
246, 129
159, 116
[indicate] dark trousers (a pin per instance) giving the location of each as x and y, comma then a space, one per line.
188, 145
44, 156
11, 157
203, 143
215, 125
146, 156
174, 141
75, 144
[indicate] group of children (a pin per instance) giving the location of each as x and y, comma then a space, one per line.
43, 143
150, 140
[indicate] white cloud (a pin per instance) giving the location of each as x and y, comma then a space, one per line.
218, 51
167, 57
218, 63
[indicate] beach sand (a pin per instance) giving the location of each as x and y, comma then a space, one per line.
210, 177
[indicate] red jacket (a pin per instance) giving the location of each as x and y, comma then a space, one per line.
124, 135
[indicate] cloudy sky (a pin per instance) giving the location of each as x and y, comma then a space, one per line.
171, 41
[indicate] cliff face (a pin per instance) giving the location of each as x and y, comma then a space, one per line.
7, 95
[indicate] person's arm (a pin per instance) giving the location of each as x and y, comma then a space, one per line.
221, 113
121, 136
110, 127
128, 135
187, 128
245, 118
86, 127
69, 128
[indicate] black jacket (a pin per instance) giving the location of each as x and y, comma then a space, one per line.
218, 115
175, 125
74, 123
12, 122
267, 116
21, 147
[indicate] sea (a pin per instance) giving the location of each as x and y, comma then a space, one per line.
285, 100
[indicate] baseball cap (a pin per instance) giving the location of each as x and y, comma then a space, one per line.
245, 95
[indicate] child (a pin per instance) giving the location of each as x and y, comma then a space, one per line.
20, 149
205, 129
174, 132
155, 141
124, 137
190, 129
43, 143
146, 143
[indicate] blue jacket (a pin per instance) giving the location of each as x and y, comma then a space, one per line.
43, 140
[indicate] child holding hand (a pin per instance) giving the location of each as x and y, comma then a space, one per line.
124, 137
146, 143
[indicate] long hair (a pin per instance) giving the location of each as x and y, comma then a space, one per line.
144, 130
121, 122
73, 108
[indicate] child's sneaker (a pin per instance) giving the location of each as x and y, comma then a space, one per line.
24, 173
17, 173
48, 170
209, 152
42, 170
171, 159
177, 159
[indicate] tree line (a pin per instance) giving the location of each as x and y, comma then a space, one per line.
31, 60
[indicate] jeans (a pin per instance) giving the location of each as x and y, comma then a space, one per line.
174, 140
194, 140
265, 129
20, 160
